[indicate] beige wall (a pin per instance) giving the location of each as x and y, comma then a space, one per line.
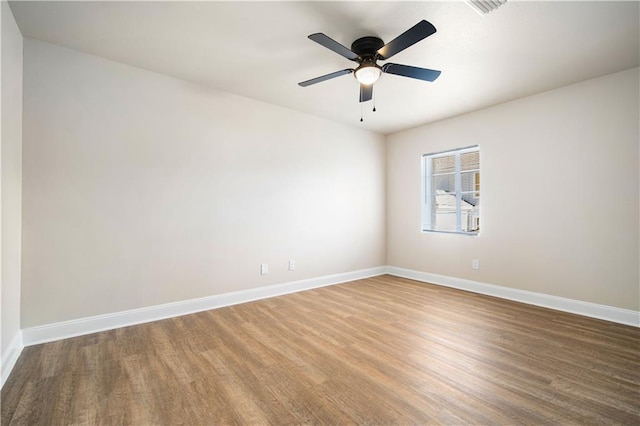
140, 189
11, 83
560, 194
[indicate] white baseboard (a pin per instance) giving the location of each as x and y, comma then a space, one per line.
10, 357
594, 310
82, 326
62, 330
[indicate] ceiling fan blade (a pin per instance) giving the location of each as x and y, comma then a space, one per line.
366, 92
421, 30
331, 44
411, 72
325, 77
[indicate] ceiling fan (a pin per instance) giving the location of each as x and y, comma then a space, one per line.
367, 51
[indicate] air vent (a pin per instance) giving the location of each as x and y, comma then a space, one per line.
484, 7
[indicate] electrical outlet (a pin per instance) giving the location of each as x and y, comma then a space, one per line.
264, 269
292, 265
475, 264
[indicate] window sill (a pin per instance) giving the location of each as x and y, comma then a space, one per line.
428, 231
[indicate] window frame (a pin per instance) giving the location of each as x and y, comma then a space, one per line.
427, 207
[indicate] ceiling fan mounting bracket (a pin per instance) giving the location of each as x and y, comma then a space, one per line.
366, 46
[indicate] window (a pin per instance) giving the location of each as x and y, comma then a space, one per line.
451, 191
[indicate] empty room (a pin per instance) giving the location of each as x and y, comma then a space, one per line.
320, 213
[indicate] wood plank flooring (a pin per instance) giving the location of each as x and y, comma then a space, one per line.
383, 350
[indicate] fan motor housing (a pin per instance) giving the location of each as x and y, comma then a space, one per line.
366, 46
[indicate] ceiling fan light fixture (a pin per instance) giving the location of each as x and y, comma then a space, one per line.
368, 73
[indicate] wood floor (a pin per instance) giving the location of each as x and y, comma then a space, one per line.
383, 350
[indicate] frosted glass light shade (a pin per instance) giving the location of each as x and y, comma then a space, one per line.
368, 74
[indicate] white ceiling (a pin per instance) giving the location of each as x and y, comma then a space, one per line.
260, 49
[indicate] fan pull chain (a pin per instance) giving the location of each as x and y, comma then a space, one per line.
361, 120
374, 101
